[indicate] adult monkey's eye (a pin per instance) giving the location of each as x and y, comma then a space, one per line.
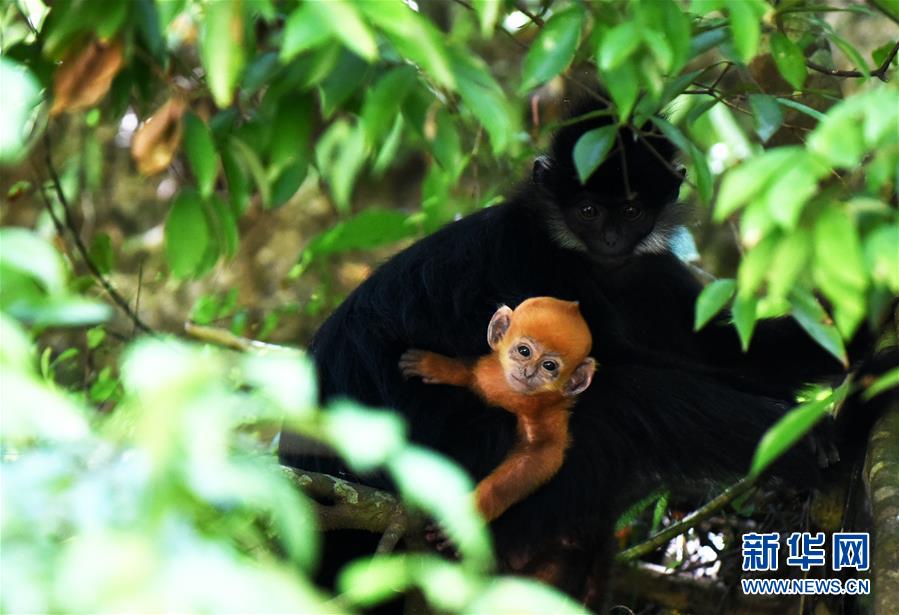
550, 366
588, 211
632, 212
524, 351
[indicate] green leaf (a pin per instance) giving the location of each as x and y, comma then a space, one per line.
851, 52
623, 84
882, 257
786, 197
786, 432
705, 185
553, 49
743, 183
745, 316
222, 50
488, 13
791, 256
792, 104
884, 383
446, 145
288, 182
186, 234
839, 269
366, 439
812, 318
415, 37
591, 150
767, 115
344, 21
485, 99
340, 154
344, 81
225, 225
789, 59
443, 490
201, 153
618, 44
523, 596
21, 98
677, 33
384, 100
755, 265
101, 253
95, 337
712, 300
250, 159
305, 29
659, 47
291, 132
367, 229
745, 27
23, 250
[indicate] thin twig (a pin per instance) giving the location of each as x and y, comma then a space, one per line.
880, 72
79, 243
688, 522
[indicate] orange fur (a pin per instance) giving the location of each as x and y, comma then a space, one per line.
553, 329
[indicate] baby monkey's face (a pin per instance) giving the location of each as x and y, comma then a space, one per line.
530, 367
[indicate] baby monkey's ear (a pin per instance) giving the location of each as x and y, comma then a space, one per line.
580, 378
498, 326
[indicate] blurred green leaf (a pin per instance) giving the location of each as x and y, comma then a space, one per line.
767, 115
812, 318
443, 490
884, 383
23, 250
851, 52
250, 159
225, 225
365, 438
743, 183
789, 262
222, 49
839, 269
488, 13
553, 49
446, 144
755, 266
712, 300
485, 99
186, 234
789, 59
95, 337
414, 37
201, 153
524, 596
384, 101
591, 150
882, 257
745, 26
623, 84
21, 97
618, 44
291, 132
786, 432
343, 20
16, 351
745, 316
304, 29
340, 154
367, 229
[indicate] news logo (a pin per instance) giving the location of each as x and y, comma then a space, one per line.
849, 550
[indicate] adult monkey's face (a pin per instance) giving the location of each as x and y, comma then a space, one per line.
626, 207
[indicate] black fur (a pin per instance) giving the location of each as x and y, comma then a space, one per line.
666, 405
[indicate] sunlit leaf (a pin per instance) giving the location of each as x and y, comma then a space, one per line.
23, 250
485, 99
201, 153
786, 432
21, 96
745, 316
884, 383
745, 26
222, 49
839, 269
553, 49
789, 59
343, 19
304, 29
591, 150
712, 300
366, 439
186, 234
618, 44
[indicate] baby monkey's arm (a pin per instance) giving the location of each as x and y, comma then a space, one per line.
528, 466
435, 368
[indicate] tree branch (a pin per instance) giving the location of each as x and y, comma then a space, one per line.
880, 72
882, 481
691, 520
79, 243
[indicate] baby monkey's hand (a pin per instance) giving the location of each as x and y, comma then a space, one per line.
416, 362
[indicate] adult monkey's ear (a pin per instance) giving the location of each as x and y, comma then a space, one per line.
499, 324
580, 378
542, 167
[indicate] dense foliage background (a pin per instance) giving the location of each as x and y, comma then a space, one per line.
244, 164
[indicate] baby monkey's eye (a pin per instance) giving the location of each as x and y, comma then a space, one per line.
550, 366
524, 351
588, 212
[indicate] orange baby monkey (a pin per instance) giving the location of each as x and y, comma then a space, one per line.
538, 365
